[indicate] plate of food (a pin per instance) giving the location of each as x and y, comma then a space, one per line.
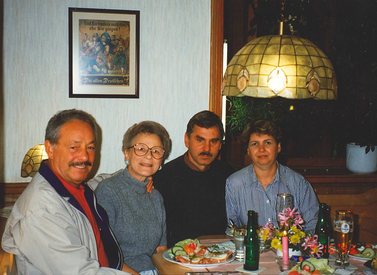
192, 253
363, 252
310, 266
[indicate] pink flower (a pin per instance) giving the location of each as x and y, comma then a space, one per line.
288, 216
271, 228
314, 245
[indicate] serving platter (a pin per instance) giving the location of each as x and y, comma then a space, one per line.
167, 257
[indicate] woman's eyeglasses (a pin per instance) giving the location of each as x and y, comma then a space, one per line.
142, 149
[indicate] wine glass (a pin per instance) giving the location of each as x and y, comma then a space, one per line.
238, 239
283, 201
343, 234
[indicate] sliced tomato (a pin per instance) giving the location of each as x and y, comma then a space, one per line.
306, 268
192, 245
189, 250
201, 252
316, 272
293, 272
354, 251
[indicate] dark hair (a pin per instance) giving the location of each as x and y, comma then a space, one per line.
262, 127
205, 119
148, 127
62, 117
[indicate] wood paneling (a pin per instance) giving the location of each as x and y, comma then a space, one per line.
10, 192
216, 60
363, 206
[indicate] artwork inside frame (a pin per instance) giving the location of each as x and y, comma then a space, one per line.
103, 53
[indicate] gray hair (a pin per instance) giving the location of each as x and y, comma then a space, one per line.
148, 127
62, 117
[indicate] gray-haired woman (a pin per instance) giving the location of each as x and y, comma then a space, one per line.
136, 216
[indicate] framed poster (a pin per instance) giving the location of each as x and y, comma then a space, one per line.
103, 53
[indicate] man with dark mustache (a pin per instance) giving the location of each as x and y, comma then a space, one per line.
193, 185
56, 225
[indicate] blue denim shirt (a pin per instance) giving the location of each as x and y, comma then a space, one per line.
244, 192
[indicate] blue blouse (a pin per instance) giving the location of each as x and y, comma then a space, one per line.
244, 192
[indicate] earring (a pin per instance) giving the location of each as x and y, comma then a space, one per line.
159, 168
127, 162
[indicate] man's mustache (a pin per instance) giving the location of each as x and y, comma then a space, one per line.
208, 154
86, 163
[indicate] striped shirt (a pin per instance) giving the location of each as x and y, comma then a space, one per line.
244, 192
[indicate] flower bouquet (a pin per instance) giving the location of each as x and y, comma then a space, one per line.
298, 240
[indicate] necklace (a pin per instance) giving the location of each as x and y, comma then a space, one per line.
141, 194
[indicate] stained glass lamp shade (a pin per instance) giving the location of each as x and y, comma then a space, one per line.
32, 161
280, 65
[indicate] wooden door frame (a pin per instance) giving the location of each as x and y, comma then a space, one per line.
216, 56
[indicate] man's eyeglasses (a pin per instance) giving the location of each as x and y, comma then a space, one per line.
142, 149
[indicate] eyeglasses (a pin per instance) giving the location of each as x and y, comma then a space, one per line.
142, 149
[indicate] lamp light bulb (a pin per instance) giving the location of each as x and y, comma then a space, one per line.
277, 80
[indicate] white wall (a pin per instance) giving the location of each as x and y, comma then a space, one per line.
174, 74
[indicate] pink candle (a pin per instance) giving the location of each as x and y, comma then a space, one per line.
285, 250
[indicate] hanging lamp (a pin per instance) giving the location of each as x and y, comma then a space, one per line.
280, 65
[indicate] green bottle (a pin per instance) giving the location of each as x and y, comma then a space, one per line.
251, 243
323, 229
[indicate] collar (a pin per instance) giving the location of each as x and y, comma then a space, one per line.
52, 179
111, 245
190, 164
254, 178
128, 177
69, 187
59, 187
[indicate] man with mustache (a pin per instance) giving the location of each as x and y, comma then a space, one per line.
56, 225
193, 185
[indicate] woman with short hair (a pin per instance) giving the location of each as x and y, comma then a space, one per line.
256, 186
136, 216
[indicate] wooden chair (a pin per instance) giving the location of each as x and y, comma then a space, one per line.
8, 264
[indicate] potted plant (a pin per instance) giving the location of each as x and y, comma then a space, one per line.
358, 70
361, 153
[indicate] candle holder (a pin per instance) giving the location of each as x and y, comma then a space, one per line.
284, 267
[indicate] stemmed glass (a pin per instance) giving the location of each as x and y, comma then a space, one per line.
238, 239
284, 201
343, 234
